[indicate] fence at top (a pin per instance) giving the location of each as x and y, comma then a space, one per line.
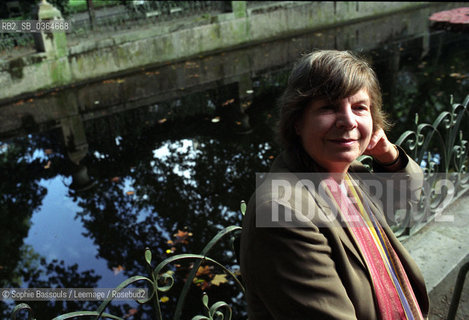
142, 14
119, 16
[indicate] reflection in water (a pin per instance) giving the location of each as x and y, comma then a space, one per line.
101, 183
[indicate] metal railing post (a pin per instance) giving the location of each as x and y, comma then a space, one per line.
453, 308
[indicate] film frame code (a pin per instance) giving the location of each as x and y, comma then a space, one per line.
27, 26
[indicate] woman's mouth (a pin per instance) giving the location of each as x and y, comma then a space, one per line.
343, 142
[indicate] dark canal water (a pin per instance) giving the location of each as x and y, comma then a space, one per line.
91, 175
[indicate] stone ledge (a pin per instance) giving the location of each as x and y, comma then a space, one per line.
440, 248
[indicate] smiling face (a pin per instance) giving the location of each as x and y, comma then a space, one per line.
336, 133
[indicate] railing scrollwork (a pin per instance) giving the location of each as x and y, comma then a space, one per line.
442, 151
162, 281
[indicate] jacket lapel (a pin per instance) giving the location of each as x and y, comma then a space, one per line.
285, 163
338, 228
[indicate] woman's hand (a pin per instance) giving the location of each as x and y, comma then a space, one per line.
381, 149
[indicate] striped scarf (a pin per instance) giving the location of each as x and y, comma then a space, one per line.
393, 292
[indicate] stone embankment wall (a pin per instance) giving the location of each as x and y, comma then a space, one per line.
129, 51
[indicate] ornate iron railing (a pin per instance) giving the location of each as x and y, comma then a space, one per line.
160, 282
442, 151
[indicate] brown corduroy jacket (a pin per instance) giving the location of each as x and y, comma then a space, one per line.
314, 270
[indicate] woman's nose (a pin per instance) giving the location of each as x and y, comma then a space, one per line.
346, 118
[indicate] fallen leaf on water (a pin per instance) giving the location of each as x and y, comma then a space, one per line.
204, 285
227, 102
181, 236
190, 65
115, 179
201, 283
164, 299
152, 73
219, 279
129, 193
457, 75
203, 270
47, 166
118, 269
131, 313
48, 151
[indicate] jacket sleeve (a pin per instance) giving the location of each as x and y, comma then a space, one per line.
401, 188
290, 274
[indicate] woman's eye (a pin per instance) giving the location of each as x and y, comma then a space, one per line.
361, 107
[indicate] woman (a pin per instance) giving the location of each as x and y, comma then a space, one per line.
296, 261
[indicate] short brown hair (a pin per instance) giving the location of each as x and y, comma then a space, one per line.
331, 75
